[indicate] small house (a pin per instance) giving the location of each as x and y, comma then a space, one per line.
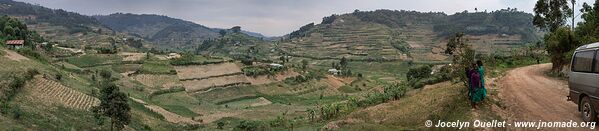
275, 65
173, 56
334, 71
15, 44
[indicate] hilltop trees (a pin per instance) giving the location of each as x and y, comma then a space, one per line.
236, 29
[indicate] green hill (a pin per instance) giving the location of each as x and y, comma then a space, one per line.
402, 35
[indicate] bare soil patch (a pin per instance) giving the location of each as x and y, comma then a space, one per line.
130, 56
14, 55
202, 71
205, 84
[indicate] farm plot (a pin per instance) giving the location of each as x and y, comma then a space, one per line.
203, 71
205, 84
160, 81
129, 56
260, 101
259, 80
54, 92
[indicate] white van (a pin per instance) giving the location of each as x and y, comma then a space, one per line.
584, 80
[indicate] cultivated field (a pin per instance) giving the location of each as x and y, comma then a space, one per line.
205, 84
157, 81
54, 92
203, 71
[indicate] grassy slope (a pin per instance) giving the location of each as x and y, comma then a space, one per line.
444, 101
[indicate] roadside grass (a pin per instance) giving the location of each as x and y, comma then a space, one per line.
444, 101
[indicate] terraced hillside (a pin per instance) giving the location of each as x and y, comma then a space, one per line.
387, 35
51, 91
347, 37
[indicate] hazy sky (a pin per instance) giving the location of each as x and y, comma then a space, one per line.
272, 17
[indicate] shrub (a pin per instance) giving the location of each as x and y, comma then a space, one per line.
220, 125
58, 76
31, 73
16, 112
247, 125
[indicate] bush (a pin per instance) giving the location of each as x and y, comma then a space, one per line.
105, 74
31, 73
220, 125
418, 72
165, 91
16, 112
58, 76
247, 125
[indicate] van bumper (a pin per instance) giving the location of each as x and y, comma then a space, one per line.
574, 96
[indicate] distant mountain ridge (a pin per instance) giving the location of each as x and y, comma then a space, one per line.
162, 29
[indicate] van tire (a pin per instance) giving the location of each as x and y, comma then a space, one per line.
587, 111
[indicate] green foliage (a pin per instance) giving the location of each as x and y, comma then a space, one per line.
166, 91
70, 20
401, 46
58, 76
137, 43
156, 67
32, 54
304, 78
418, 72
104, 50
13, 29
220, 125
236, 29
106, 74
588, 30
248, 125
303, 31
16, 112
31, 73
462, 57
551, 14
334, 110
329, 19
114, 105
559, 44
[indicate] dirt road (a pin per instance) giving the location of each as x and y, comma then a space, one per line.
532, 96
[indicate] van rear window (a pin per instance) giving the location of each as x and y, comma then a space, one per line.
583, 61
597, 63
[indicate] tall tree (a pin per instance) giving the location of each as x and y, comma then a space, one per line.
551, 14
462, 56
588, 30
113, 104
558, 44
